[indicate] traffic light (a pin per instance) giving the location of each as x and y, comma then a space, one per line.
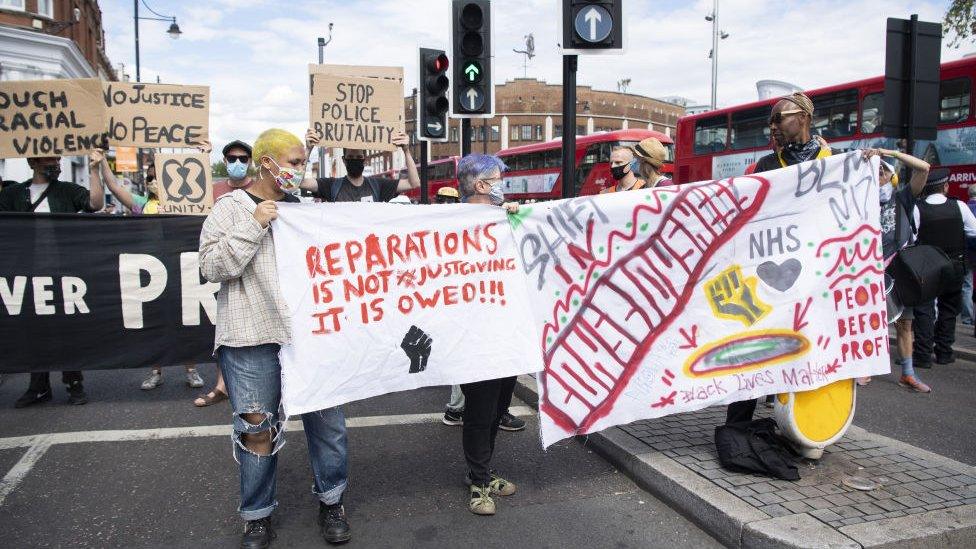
471, 33
593, 25
433, 104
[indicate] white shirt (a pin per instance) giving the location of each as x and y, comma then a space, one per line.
35, 192
968, 219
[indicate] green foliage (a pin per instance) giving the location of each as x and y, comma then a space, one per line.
960, 21
219, 169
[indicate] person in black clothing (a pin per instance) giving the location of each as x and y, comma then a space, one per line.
355, 187
45, 193
945, 223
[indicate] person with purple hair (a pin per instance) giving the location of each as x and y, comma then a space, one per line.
480, 182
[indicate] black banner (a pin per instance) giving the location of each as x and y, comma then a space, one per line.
81, 292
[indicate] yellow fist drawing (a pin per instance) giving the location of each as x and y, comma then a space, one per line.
734, 297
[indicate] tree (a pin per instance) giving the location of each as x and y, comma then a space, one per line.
219, 169
960, 19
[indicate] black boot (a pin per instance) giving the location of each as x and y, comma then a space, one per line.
257, 534
333, 524
33, 396
76, 394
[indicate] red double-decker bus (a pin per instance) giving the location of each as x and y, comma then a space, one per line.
534, 171
724, 142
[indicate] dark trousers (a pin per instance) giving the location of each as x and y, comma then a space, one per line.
936, 331
740, 411
484, 404
41, 381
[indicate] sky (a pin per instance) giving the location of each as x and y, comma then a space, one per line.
254, 53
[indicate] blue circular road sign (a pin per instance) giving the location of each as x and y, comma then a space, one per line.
593, 23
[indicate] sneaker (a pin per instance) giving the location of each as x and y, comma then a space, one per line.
193, 378
481, 502
154, 380
32, 397
453, 418
497, 485
76, 395
862, 381
911, 382
333, 524
257, 534
511, 423
945, 359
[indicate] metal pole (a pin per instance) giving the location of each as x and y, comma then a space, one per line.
424, 198
484, 135
569, 126
465, 136
715, 32
321, 149
912, 83
140, 178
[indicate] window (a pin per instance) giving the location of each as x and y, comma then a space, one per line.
45, 8
515, 133
554, 158
454, 135
835, 114
495, 134
953, 101
526, 133
12, 4
580, 130
711, 134
872, 111
539, 136
557, 131
750, 128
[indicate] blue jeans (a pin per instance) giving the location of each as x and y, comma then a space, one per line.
253, 378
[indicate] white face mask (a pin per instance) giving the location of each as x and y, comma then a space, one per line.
886, 191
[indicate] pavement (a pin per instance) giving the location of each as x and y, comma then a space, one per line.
147, 469
925, 491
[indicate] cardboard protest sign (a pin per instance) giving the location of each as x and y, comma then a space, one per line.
669, 300
355, 111
51, 117
157, 115
366, 71
126, 159
419, 296
184, 181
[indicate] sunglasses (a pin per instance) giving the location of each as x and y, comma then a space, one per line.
777, 118
242, 158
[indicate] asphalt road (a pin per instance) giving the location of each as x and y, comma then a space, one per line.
181, 490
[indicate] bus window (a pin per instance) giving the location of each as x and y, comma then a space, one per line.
835, 114
872, 113
554, 158
711, 135
953, 100
750, 128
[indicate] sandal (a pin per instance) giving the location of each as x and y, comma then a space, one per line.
205, 400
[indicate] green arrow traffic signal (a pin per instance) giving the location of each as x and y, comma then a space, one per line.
472, 70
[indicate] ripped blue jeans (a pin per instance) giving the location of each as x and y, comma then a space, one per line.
253, 378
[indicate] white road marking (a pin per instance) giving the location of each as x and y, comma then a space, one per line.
17, 473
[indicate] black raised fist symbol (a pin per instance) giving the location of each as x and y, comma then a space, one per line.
417, 346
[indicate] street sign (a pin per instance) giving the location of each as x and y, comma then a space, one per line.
593, 23
911, 94
471, 45
473, 98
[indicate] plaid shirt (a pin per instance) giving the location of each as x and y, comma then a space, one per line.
236, 252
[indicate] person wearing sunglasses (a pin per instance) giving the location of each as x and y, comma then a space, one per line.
789, 125
237, 159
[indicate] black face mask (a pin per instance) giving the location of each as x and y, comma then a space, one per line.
618, 172
150, 178
52, 173
354, 166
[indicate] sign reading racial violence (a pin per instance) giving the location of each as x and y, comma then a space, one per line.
429, 295
184, 183
357, 107
659, 301
156, 115
51, 117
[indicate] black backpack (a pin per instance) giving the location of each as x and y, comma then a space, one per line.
754, 447
920, 271
337, 184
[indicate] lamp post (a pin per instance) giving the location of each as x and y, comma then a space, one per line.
323, 42
717, 35
174, 32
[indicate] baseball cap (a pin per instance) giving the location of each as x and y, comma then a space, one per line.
236, 143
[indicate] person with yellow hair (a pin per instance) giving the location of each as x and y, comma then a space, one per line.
236, 250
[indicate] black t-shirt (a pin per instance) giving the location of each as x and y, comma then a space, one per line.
286, 198
771, 162
896, 230
363, 193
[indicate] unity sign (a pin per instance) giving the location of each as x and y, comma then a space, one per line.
70, 117
357, 107
185, 183
630, 305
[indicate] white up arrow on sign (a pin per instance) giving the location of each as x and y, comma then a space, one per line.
472, 96
592, 17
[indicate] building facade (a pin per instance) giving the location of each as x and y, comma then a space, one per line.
49, 39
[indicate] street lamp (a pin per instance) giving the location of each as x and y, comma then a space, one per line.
713, 55
322, 44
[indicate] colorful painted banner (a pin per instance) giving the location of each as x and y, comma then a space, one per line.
669, 300
416, 296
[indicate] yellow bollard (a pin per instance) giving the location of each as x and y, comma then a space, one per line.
813, 420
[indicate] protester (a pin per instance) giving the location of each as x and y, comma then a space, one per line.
967, 281
480, 182
447, 195
945, 223
45, 193
237, 250
145, 204
622, 169
896, 233
355, 187
651, 155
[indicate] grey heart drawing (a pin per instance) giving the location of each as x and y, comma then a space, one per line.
781, 276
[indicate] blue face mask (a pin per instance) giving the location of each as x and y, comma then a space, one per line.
237, 170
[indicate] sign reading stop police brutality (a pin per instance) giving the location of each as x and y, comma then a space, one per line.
357, 107
157, 115
51, 117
